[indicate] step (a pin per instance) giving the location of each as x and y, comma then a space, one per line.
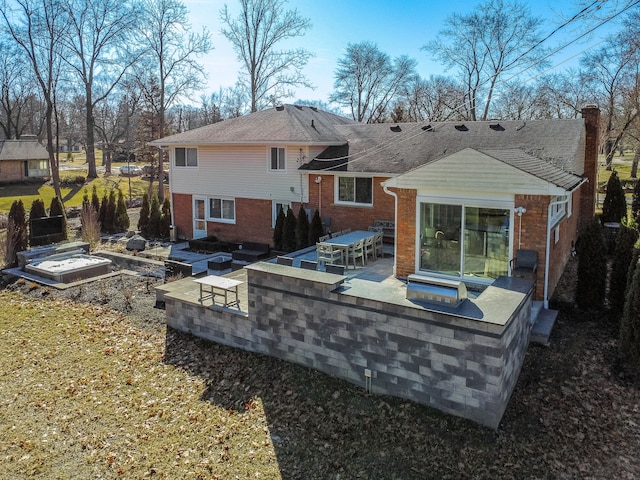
541, 331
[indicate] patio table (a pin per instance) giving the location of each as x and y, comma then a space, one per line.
346, 241
219, 286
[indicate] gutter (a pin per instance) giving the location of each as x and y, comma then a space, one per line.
548, 241
395, 244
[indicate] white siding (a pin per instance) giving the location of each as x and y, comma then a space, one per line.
472, 171
241, 172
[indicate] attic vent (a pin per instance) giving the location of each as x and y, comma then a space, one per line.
427, 128
497, 127
396, 128
462, 127
279, 108
299, 107
315, 109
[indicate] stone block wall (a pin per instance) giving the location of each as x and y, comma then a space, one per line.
460, 366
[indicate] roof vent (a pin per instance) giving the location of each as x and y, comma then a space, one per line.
521, 127
396, 128
299, 107
497, 127
427, 128
462, 127
279, 108
315, 109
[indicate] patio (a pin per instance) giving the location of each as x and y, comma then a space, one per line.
361, 327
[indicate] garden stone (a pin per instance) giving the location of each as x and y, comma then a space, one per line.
137, 243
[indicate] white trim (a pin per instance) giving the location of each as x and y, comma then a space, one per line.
336, 191
186, 158
217, 219
274, 211
269, 151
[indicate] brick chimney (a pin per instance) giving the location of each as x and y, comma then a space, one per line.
591, 115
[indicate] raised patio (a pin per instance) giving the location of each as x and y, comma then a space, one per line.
362, 328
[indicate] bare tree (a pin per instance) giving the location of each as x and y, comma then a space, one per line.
496, 39
98, 41
19, 103
367, 81
171, 61
37, 27
255, 35
562, 95
435, 99
611, 72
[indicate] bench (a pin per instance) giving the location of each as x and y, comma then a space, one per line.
388, 229
251, 252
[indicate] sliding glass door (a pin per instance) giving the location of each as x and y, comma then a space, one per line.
464, 240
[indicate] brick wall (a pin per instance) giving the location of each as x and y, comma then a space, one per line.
587, 205
406, 228
12, 171
355, 217
464, 367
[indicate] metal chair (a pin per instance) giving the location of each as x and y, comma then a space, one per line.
525, 264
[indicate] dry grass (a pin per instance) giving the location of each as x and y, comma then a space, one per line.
85, 395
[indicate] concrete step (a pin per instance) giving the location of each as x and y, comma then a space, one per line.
543, 325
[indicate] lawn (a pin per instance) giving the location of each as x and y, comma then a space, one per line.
86, 395
87, 391
72, 192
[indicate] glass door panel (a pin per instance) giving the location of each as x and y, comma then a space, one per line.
440, 238
486, 245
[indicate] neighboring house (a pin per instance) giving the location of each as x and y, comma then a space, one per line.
464, 196
23, 160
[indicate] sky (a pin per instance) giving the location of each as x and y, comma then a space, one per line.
399, 27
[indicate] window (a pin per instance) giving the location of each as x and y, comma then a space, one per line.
276, 208
357, 190
558, 209
38, 168
222, 210
186, 157
277, 159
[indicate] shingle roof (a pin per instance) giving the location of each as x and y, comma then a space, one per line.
537, 167
24, 149
396, 149
283, 124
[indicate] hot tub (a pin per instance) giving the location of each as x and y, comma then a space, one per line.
67, 268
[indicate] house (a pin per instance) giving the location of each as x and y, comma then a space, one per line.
23, 160
464, 196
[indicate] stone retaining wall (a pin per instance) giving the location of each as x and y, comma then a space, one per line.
463, 366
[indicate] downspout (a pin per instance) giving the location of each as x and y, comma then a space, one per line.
548, 242
395, 217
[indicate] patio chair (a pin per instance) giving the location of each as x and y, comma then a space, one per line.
327, 253
337, 269
369, 249
356, 252
308, 264
378, 244
280, 260
525, 264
